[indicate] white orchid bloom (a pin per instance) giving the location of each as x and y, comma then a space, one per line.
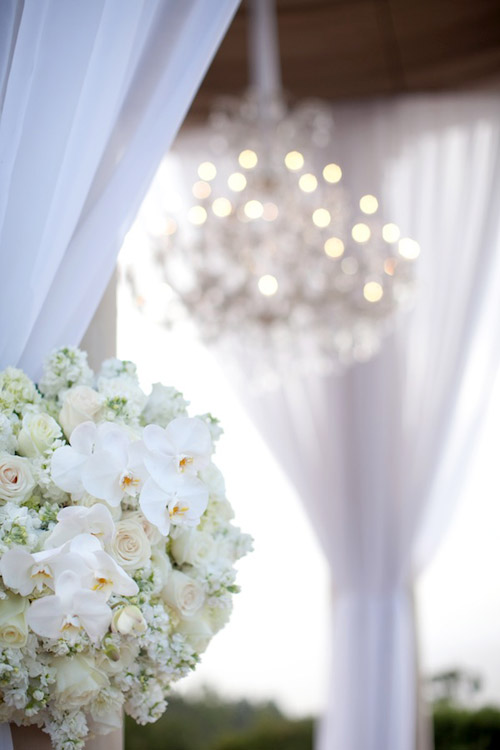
181, 500
77, 519
68, 461
116, 470
102, 461
185, 444
71, 609
23, 572
102, 573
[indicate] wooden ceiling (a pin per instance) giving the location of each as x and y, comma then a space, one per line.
339, 49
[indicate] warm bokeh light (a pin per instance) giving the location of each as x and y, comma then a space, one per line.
237, 182
334, 247
270, 211
361, 232
253, 209
368, 204
308, 183
408, 248
197, 215
268, 285
391, 232
222, 207
201, 189
171, 226
373, 291
321, 217
390, 266
248, 159
349, 266
294, 160
207, 171
332, 173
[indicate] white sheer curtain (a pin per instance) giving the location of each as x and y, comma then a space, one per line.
377, 454
91, 96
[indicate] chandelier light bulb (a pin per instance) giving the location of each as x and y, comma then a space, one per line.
268, 285
373, 291
361, 232
197, 215
332, 173
368, 204
207, 171
334, 247
408, 249
321, 217
308, 183
201, 189
248, 159
237, 182
253, 209
222, 207
391, 233
294, 160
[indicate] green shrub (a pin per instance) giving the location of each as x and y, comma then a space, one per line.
458, 729
292, 735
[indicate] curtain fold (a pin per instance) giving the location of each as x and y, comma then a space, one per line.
378, 453
92, 95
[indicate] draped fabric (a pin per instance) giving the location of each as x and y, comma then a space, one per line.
378, 453
91, 95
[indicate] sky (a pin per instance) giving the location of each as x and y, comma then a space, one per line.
276, 645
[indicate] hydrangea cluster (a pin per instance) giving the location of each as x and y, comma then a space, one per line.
117, 549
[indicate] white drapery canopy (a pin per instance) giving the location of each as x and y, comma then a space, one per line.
91, 95
377, 454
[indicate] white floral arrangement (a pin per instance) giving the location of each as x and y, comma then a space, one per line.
117, 549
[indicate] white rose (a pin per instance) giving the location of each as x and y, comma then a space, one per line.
151, 531
161, 562
130, 546
197, 631
193, 547
81, 404
129, 620
37, 435
16, 479
183, 593
116, 659
106, 712
78, 681
13, 627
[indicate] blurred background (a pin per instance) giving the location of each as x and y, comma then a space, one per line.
265, 676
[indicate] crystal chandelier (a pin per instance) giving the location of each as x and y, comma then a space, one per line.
272, 256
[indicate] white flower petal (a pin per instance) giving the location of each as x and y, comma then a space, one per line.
93, 612
76, 519
156, 439
161, 468
46, 616
113, 439
190, 435
153, 502
83, 438
66, 469
121, 582
15, 567
101, 477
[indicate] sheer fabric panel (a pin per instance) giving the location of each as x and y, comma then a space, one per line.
378, 453
92, 95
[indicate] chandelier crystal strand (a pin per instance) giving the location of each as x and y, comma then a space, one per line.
272, 256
